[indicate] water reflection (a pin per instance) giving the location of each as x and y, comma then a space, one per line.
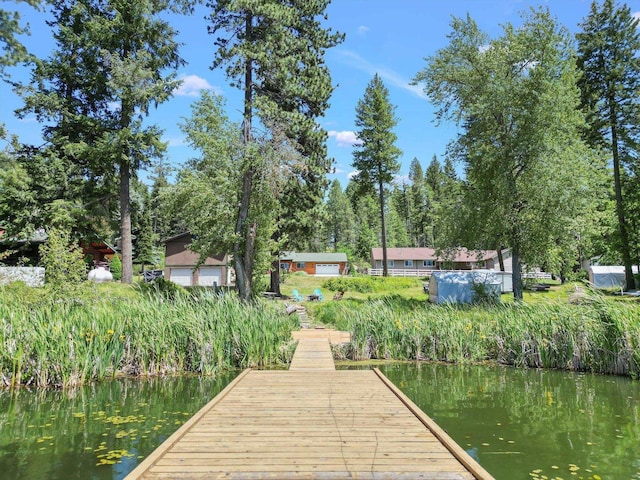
532, 423
518, 424
97, 432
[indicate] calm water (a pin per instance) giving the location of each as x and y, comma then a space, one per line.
520, 424
98, 432
523, 424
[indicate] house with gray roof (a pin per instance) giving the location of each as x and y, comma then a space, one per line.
422, 261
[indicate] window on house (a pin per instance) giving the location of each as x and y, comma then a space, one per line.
389, 263
408, 263
301, 265
428, 263
284, 266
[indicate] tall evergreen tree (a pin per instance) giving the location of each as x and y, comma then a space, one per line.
340, 217
608, 49
527, 172
110, 66
421, 207
433, 176
162, 223
376, 159
435, 185
397, 233
274, 52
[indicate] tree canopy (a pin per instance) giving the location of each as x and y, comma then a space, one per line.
274, 53
527, 171
114, 60
608, 47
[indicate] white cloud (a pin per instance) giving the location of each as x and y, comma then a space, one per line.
389, 76
362, 30
350, 175
192, 85
175, 141
345, 138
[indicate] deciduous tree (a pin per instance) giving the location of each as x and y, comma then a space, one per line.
527, 171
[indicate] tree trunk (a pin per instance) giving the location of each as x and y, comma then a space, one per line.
500, 259
622, 223
243, 257
517, 274
126, 248
275, 276
385, 268
240, 254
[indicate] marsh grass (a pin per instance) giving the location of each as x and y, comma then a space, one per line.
48, 342
600, 336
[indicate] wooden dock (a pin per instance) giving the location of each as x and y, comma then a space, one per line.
310, 422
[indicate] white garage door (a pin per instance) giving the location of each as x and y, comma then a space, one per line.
181, 276
328, 269
208, 275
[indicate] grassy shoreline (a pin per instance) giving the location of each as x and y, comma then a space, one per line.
599, 337
64, 344
112, 330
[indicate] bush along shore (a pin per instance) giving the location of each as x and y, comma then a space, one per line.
600, 337
53, 343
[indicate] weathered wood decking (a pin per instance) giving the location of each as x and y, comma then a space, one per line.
310, 422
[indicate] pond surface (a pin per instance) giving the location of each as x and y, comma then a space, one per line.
519, 424
523, 424
97, 432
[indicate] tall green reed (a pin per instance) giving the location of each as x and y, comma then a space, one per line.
65, 343
602, 336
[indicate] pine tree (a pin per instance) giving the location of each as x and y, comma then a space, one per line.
376, 159
421, 207
13, 52
340, 217
114, 59
608, 49
274, 52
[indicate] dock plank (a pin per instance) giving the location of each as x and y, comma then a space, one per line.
310, 422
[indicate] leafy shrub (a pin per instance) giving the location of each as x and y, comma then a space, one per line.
163, 288
482, 295
63, 261
579, 276
368, 284
116, 267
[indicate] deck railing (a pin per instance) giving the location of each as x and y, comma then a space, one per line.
401, 272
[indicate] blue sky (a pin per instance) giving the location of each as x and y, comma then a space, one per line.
388, 37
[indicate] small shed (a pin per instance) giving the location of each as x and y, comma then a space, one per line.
608, 276
458, 286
